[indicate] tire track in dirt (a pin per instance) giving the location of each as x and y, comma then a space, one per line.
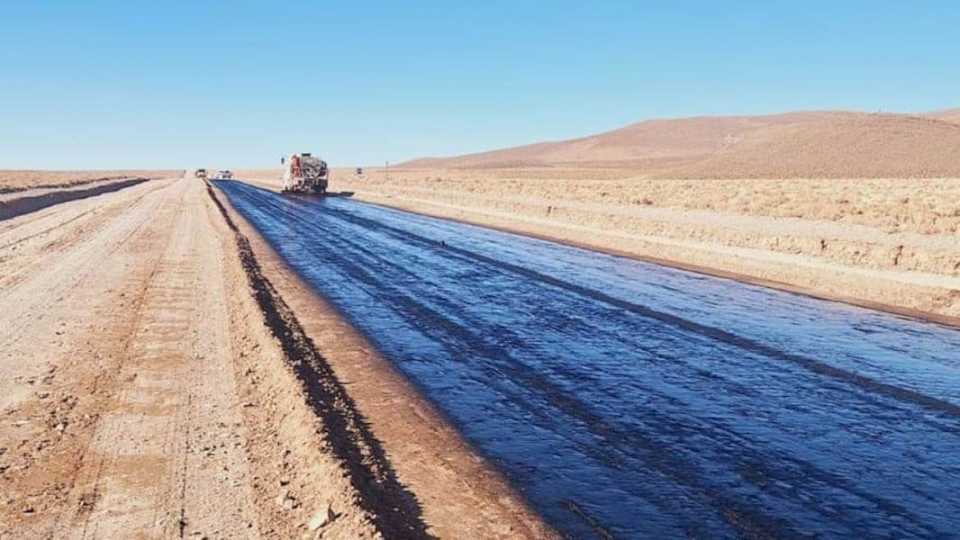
146, 352
84, 298
167, 448
41, 279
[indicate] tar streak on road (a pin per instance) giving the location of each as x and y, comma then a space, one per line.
632, 400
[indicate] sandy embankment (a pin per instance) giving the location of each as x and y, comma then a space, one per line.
152, 383
888, 244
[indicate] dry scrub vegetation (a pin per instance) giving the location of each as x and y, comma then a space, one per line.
926, 206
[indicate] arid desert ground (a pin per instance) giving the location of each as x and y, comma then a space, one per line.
164, 373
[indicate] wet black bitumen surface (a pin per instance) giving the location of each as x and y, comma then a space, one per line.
633, 400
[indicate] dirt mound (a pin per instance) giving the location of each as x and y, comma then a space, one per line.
800, 144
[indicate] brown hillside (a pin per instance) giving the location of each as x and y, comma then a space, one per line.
856, 146
803, 144
652, 142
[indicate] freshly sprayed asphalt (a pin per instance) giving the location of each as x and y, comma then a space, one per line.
626, 399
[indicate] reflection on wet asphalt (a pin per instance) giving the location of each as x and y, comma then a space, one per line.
634, 400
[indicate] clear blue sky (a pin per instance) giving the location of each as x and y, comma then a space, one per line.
101, 84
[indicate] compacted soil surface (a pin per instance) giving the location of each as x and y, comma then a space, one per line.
154, 383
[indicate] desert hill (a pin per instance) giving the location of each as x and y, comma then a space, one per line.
800, 144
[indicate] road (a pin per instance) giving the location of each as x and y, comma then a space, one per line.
154, 384
107, 388
631, 400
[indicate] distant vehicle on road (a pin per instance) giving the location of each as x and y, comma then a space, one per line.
200, 173
223, 174
304, 173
